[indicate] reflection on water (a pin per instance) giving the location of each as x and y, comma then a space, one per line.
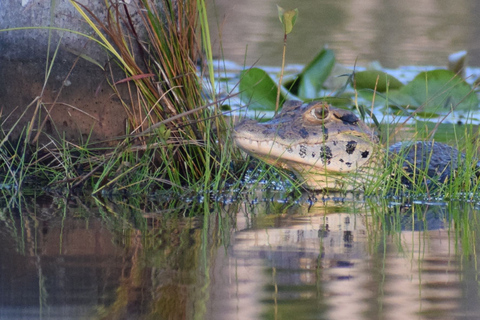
271, 260
409, 32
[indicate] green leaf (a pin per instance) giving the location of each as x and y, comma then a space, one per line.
441, 89
163, 132
393, 99
437, 91
338, 102
258, 90
287, 18
428, 115
312, 77
374, 79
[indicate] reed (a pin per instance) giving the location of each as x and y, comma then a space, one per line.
173, 130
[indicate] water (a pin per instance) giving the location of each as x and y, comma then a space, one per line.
396, 33
405, 38
257, 258
335, 259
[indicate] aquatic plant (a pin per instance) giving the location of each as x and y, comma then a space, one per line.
171, 125
176, 137
288, 19
431, 96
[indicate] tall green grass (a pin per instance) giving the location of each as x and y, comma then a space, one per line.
176, 139
166, 88
396, 179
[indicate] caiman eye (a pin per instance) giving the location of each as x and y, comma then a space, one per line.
320, 112
317, 113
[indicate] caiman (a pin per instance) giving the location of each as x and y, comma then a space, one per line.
331, 148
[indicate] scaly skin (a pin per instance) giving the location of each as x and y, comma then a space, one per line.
330, 148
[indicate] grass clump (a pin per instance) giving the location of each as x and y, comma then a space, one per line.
169, 122
175, 136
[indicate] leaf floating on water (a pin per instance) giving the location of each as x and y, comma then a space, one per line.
457, 62
315, 73
428, 115
258, 90
375, 79
339, 102
441, 90
309, 82
436, 91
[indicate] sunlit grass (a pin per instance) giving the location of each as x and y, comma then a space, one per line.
395, 178
177, 137
168, 115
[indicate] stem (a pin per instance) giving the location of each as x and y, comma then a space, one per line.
277, 104
207, 44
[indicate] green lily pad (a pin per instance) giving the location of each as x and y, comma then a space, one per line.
428, 115
440, 90
309, 82
258, 90
335, 101
394, 98
436, 91
376, 80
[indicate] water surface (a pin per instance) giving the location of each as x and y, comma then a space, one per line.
266, 257
263, 257
396, 33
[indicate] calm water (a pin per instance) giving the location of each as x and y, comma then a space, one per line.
71, 259
409, 32
266, 259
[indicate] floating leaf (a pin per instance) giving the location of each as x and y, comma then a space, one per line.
428, 115
374, 79
258, 90
441, 89
339, 102
436, 91
287, 18
309, 82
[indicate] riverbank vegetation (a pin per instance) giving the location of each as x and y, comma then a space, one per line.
177, 134
415, 109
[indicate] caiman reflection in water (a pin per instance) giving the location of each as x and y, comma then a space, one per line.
335, 261
71, 259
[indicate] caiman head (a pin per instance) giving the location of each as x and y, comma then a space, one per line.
326, 147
